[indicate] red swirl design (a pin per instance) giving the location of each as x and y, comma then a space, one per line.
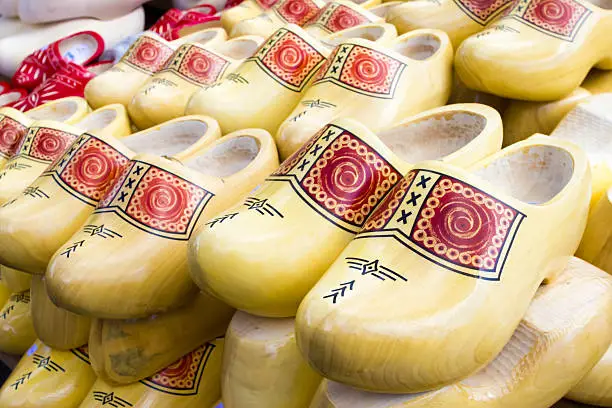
349, 180
94, 169
10, 136
177, 370
200, 65
554, 12
297, 11
343, 19
147, 53
465, 225
369, 70
290, 57
50, 145
164, 201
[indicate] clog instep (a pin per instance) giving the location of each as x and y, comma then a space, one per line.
449, 254
145, 57
373, 83
48, 378
192, 381
154, 207
260, 351
158, 340
193, 66
540, 51
264, 254
560, 337
56, 204
16, 329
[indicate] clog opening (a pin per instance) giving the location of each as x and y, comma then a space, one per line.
419, 47
59, 111
200, 34
533, 174
239, 48
435, 136
9, 97
97, 120
168, 139
227, 157
79, 49
383, 9
372, 33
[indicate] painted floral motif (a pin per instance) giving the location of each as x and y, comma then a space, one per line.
336, 17
11, 133
148, 54
483, 11
197, 64
296, 11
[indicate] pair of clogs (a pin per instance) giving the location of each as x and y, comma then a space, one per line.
377, 81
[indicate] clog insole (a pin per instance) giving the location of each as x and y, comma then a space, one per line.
97, 120
79, 49
168, 139
58, 111
238, 49
226, 157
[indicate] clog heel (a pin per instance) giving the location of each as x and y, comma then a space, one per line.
57, 203
565, 330
153, 209
56, 327
15, 280
193, 66
441, 262
157, 340
265, 88
258, 352
192, 381
16, 329
48, 378
313, 205
374, 84
560, 41
596, 387
458, 18
284, 12
145, 57
523, 118
339, 15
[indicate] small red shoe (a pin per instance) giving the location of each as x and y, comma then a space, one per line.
170, 25
81, 49
68, 81
11, 96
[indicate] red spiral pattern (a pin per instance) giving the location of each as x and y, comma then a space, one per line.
94, 169
554, 12
482, 4
147, 53
200, 65
344, 18
369, 70
10, 136
50, 144
349, 179
164, 201
290, 57
298, 11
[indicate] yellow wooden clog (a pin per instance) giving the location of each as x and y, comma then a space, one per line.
68, 110
15, 280
458, 18
339, 15
13, 127
5, 292
565, 330
524, 118
56, 327
265, 88
244, 11
48, 378
55, 205
166, 94
589, 125
541, 51
191, 382
596, 387
441, 262
153, 209
284, 12
596, 244
16, 329
374, 84
146, 56
315, 203
382, 33
462, 94
126, 351
382, 10
598, 81
263, 367
110, 120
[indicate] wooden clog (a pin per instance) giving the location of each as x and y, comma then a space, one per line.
37, 36
110, 120
69, 110
284, 12
16, 329
15, 280
462, 94
56, 327
458, 18
374, 84
565, 329
13, 127
153, 209
35, 225
596, 387
440, 263
265, 88
5, 291
48, 378
191, 382
596, 244
561, 40
381, 33
145, 57
260, 351
339, 15
524, 118
382, 10
315, 203
598, 81
244, 11
588, 125
45, 11
166, 94
147, 345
